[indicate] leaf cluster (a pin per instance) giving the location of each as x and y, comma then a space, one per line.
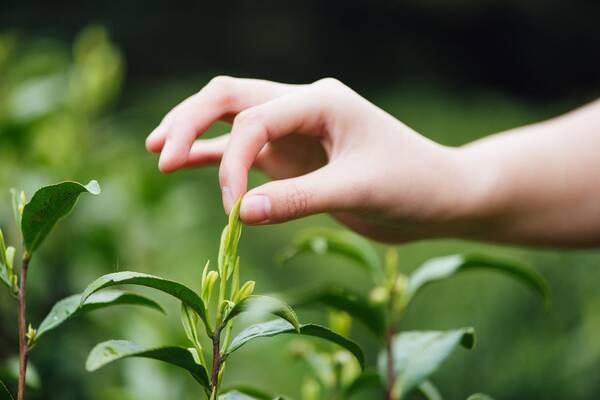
407, 359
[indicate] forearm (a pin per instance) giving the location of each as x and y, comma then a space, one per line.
538, 184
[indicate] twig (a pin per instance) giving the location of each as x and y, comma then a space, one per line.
217, 362
23, 345
391, 375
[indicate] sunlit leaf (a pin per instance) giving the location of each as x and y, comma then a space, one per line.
113, 350
444, 267
237, 395
340, 298
280, 326
4, 276
479, 396
189, 320
14, 196
335, 241
252, 392
48, 205
172, 288
265, 304
429, 391
72, 306
418, 354
32, 377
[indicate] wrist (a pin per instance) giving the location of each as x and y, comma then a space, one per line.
477, 190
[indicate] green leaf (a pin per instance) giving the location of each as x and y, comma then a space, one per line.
237, 395
340, 298
48, 205
335, 241
479, 396
418, 354
279, 326
113, 350
265, 304
5, 263
4, 393
444, 267
189, 320
4, 276
14, 195
172, 288
251, 391
429, 391
369, 379
72, 306
32, 377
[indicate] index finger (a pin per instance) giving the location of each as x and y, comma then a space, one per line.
221, 98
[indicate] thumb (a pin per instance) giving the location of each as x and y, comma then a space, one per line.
287, 199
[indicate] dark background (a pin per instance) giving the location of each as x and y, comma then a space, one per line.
453, 70
542, 50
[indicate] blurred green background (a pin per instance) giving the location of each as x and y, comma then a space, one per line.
81, 84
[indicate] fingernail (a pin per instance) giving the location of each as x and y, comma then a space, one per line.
256, 208
227, 198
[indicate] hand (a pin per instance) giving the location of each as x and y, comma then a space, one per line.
329, 149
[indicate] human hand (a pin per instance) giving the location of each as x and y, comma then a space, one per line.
328, 149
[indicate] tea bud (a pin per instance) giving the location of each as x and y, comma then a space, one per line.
379, 295
31, 334
207, 286
400, 285
205, 272
391, 264
245, 291
10, 257
22, 202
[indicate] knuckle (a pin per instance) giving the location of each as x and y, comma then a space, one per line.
248, 117
221, 81
328, 90
252, 118
329, 83
222, 89
295, 203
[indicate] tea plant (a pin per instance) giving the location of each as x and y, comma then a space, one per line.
35, 219
221, 299
406, 359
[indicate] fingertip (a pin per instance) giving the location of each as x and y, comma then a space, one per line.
172, 157
155, 140
150, 145
255, 209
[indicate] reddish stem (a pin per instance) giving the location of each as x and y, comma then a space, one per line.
23, 345
217, 361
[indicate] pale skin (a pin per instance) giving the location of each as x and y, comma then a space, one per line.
329, 150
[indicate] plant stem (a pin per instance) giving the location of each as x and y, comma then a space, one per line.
23, 346
217, 362
391, 375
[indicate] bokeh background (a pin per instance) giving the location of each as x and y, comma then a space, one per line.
82, 83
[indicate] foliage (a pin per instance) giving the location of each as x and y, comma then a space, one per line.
36, 220
162, 225
232, 299
406, 359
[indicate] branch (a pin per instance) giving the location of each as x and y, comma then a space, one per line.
217, 363
23, 345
